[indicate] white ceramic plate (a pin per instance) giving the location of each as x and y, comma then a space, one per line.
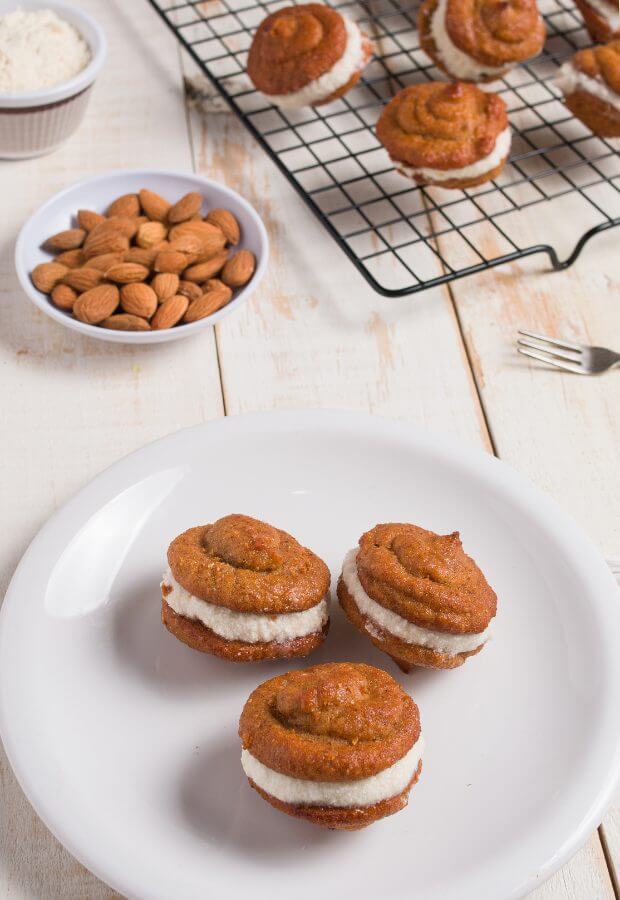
97, 194
125, 740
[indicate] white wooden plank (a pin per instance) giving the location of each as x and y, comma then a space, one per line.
72, 406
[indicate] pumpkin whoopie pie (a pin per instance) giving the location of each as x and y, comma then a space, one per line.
417, 596
337, 744
449, 135
245, 591
480, 40
601, 18
307, 55
590, 82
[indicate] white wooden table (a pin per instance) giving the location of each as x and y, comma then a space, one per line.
311, 336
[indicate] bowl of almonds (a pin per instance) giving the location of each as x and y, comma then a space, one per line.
142, 256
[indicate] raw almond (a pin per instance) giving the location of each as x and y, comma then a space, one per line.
213, 240
104, 242
214, 284
239, 269
189, 244
127, 205
141, 255
226, 222
138, 300
206, 270
170, 261
83, 279
87, 219
97, 304
63, 296
170, 312
154, 206
104, 261
46, 276
127, 225
206, 305
150, 234
127, 273
70, 258
190, 290
165, 285
70, 239
185, 208
126, 322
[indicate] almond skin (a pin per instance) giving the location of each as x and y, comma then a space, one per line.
170, 261
46, 276
104, 242
150, 234
87, 219
142, 255
165, 285
190, 290
104, 261
83, 279
226, 222
214, 284
203, 271
206, 305
125, 322
185, 208
127, 273
127, 205
154, 206
170, 312
239, 269
97, 304
63, 296
189, 244
72, 259
212, 239
127, 225
138, 300
71, 239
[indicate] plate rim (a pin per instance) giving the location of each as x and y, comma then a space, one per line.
443, 444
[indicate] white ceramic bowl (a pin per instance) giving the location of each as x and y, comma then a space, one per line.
96, 194
33, 123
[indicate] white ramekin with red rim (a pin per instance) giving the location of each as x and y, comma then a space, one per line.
33, 123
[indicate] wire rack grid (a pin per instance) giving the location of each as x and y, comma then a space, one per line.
401, 237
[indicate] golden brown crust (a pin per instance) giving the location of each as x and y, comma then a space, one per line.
601, 118
406, 656
425, 578
343, 818
602, 64
494, 33
332, 722
294, 46
248, 566
196, 635
459, 183
441, 126
597, 25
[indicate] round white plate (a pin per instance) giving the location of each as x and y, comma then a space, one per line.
125, 740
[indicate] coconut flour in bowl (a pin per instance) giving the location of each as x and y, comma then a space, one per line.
38, 49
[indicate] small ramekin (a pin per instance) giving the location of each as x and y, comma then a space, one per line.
34, 123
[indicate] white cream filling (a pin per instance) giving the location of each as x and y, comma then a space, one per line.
331, 81
481, 167
252, 628
607, 12
570, 79
389, 621
364, 792
457, 62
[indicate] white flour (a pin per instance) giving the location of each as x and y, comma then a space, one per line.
38, 50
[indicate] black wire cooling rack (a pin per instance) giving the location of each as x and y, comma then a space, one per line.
401, 237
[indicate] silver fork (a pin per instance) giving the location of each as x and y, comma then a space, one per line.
577, 358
